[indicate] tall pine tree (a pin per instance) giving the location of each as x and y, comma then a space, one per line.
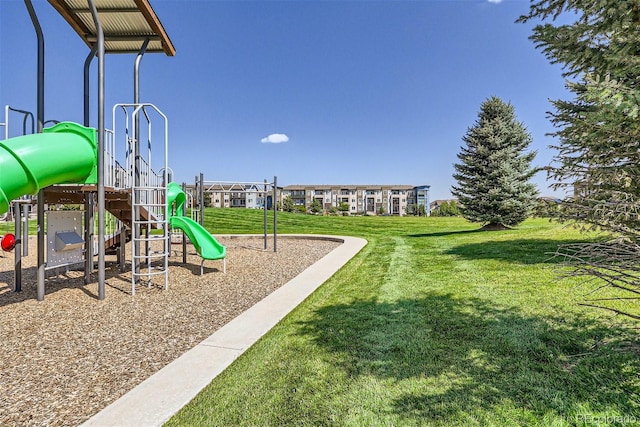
494, 170
598, 150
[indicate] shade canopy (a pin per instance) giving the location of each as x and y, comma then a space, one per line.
125, 25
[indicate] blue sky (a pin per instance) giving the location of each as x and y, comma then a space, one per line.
352, 92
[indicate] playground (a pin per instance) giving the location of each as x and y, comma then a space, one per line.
121, 277
111, 176
68, 358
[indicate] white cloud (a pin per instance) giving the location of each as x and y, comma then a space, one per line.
495, 1
275, 138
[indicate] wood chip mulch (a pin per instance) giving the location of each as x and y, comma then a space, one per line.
69, 356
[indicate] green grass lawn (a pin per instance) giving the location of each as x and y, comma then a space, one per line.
433, 323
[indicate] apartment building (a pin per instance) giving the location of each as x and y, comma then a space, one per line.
361, 199
233, 195
250, 196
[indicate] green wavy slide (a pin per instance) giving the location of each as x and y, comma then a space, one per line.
206, 245
62, 154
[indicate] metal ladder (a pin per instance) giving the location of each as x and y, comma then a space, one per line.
152, 249
150, 240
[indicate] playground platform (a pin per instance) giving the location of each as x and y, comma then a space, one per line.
163, 394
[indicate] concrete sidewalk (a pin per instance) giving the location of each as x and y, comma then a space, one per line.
163, 394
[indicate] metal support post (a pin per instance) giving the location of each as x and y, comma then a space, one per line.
201, 199
184, 236
136, 136
275, 214
264, 225
88, 237
17, 277
196, 202
101, 130
136, 72
40, 120
25, 229
87, 65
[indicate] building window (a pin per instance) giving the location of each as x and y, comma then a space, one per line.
370, 204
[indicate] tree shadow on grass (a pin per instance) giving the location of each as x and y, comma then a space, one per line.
447, 233
465, 361
522, 251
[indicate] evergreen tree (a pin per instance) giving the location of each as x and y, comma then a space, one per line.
449, 208
316, 206
598, 150
494, 171
287, 204
598, 131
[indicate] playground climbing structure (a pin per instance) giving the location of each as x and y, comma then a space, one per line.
125, 193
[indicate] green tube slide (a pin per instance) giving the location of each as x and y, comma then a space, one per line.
206, 245
63, 154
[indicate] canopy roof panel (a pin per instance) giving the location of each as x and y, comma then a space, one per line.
125, 24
